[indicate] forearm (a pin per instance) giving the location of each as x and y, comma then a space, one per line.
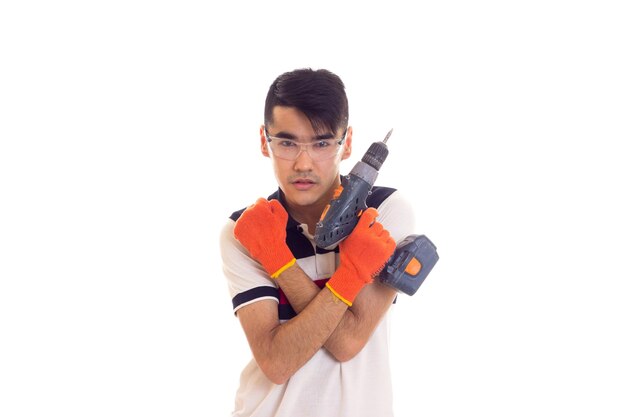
357, 323
285, 348
298, 287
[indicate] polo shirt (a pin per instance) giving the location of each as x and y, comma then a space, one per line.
323, 386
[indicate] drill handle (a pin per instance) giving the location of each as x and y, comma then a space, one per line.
341, 215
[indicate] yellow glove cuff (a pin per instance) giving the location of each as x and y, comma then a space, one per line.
283, 268
336, 294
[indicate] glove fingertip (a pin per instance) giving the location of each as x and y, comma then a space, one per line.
275, 204
368, 217
372, 212
278, 208
379, 229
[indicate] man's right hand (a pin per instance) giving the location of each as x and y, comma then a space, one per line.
361, 255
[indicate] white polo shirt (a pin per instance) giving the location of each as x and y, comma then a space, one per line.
323, 387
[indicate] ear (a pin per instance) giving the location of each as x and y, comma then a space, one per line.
347, 147
264, 145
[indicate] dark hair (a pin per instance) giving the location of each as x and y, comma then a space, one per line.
319, 94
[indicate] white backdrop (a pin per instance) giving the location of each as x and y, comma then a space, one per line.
129, 132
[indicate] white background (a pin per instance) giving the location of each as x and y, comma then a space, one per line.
129, 132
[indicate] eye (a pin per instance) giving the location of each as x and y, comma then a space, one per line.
321, 144
285, 143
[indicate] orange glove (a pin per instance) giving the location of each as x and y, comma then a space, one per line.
262, 230
361, 256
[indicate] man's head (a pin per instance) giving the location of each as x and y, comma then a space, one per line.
319, 94
306, 135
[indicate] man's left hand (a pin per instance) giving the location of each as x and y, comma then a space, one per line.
262, 230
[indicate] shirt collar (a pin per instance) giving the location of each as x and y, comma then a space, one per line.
280, 196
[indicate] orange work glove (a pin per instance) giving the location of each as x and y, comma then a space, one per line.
361, 256
262, 230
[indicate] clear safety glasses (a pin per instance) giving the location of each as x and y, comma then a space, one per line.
318, 149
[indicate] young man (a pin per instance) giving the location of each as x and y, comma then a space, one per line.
315, 319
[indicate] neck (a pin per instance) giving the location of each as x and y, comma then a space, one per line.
311, 214
308, 215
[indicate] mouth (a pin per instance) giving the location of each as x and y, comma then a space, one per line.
303, 183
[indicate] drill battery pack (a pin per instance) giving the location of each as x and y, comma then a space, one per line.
414, 258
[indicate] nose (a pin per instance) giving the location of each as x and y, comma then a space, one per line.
303, 161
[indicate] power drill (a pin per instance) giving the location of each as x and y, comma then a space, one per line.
414, 257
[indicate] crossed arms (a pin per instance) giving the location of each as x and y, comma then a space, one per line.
324, 317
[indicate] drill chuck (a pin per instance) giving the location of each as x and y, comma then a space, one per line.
376, 155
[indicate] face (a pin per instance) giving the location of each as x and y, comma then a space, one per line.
308, 185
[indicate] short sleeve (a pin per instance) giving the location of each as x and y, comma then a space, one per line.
397, 216
248, 282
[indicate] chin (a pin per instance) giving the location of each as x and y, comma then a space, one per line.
302, 198
302, 201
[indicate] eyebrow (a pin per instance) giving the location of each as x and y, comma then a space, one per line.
287, 135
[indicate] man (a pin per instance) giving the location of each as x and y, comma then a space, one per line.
315, 319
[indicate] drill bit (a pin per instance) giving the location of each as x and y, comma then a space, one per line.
387, 137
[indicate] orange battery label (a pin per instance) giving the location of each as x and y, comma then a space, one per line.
413, 267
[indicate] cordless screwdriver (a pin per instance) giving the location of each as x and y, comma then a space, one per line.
342, 214
413, 258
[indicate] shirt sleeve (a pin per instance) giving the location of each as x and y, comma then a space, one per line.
248, 282
397, 216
